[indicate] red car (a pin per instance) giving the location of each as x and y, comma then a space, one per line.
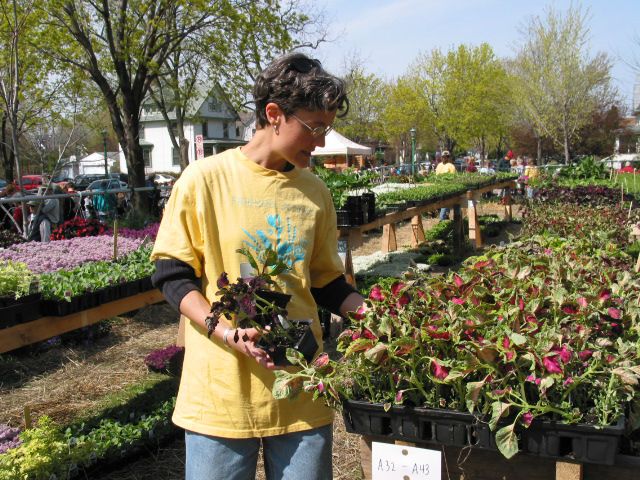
31, 182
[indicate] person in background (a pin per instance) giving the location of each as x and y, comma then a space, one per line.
628, 168
45, 215
471, 165
503, 164
69, 205
256, 196
446, 166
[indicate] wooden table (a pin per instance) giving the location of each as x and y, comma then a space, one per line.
351, 237
46, 327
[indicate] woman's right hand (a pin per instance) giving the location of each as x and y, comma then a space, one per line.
246, 344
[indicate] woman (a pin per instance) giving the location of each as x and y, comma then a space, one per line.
257, 196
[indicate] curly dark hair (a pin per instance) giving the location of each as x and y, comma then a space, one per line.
296, 81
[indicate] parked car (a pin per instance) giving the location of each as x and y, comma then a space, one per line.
82, 181
31, 182
104, 184
163, 179
61, 180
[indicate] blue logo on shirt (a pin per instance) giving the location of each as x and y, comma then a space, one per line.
286, 248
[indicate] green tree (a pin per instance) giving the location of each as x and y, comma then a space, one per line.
475, 97
367, 100
122, 47
28, 90
224, 59
559, 84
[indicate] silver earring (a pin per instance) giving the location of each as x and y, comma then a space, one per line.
275, 128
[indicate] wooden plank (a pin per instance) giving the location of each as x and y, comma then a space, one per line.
389, 242
508, 214
365, 457
418, 230
475, 235
47, 327
568, 470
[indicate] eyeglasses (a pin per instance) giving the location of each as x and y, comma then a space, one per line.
316, 132
303, 64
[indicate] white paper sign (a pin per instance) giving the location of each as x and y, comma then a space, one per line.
397, 462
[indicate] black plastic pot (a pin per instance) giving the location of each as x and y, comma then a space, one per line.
144, 284
108, 294
343, 217
584, 443
305, 343
269, 297
24, 309
61, 308
354, 206
367, 418
371, 206
128, 289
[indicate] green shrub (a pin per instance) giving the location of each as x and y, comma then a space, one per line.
440, 231
15, 279
441, 259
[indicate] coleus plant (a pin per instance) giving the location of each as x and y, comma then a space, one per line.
248, 302
544, 328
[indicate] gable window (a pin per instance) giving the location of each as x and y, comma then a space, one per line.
214, 105
175, 157
141, 132
174, 128
205, 129
237, 131
146, 156
225, 130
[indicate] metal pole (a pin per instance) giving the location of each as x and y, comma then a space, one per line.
106, 164
413, 151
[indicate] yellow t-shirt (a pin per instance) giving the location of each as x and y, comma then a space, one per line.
218, 205
445, 168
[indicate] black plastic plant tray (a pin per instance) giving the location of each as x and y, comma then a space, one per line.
581, 442
22, 310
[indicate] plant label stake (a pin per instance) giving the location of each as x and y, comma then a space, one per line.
115, 239
27, 417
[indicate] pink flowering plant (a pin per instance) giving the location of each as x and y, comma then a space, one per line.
541, 329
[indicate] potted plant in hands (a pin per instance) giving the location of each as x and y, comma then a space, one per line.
253, 302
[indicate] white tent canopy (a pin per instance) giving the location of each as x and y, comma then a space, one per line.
336, 144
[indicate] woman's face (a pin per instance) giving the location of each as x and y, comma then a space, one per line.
295, 141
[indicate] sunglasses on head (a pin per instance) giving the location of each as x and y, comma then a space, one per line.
304, 65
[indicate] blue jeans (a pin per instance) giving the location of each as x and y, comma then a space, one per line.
292, 456
444, 214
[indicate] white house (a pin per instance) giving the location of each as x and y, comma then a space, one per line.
209, 115
90, 164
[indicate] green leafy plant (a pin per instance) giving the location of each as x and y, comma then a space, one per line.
16, 279
544, 328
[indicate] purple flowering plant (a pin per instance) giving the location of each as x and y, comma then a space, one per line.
161, 360
9, 438
541, 329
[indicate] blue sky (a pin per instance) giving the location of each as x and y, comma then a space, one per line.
388, 34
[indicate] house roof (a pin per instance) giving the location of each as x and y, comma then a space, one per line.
194, 106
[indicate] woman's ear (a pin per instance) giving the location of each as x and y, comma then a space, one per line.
273, 113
